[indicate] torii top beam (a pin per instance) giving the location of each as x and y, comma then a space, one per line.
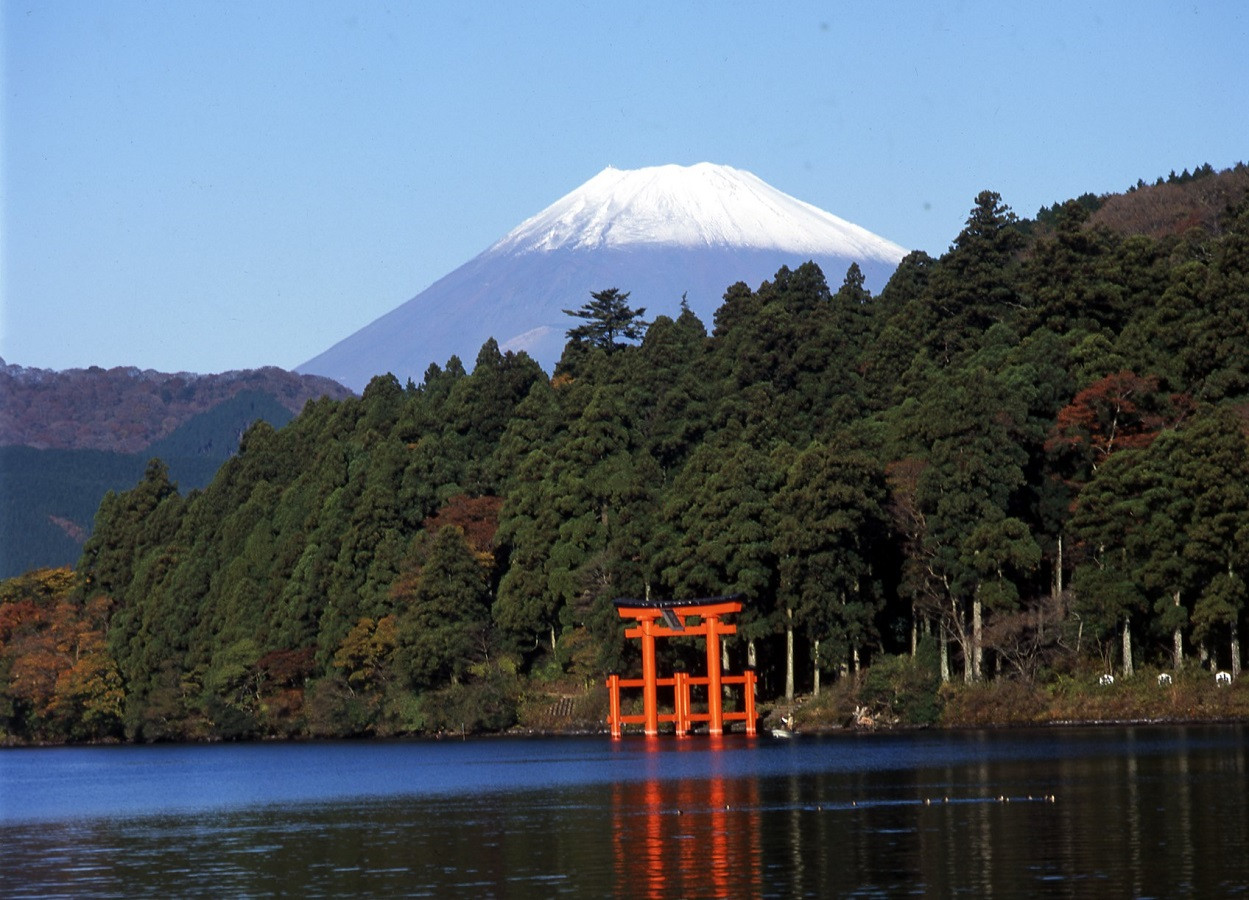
629, 608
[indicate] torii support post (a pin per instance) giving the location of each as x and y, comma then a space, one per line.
675, 616
650, 693
715, 699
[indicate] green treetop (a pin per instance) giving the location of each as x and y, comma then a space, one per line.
609, 319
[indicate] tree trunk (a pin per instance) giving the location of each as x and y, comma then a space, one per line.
943, 643
1127, 647
552, 638
815, 668
958, 622
1177, 641
977, 636
1058, 594
914, 632
1235, 651
1058, 570
854, 652
789, 655
751, 659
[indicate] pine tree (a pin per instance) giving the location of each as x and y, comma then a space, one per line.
609, 321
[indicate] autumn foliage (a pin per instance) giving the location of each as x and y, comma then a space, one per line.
1121, 411
62, 682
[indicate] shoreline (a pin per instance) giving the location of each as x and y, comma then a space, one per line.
848, 706
809, 729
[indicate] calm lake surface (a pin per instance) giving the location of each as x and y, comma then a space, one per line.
1136, 812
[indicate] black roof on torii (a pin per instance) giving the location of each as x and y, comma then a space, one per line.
631, 603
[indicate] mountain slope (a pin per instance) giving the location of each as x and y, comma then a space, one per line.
126, 409
659, 233
67, 438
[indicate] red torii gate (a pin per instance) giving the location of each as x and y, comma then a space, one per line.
675, 615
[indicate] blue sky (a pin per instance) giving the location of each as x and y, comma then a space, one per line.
206, 186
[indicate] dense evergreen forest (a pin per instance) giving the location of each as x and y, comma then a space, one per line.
1024, 461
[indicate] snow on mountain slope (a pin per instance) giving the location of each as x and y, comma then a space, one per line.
658, 233
703, 205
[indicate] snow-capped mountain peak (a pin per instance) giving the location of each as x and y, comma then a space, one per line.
703, 205
661, 234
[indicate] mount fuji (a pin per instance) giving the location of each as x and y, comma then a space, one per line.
659, 233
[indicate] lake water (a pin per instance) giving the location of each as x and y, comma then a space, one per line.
1135, 812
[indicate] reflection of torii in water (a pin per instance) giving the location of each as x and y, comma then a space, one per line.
675, 616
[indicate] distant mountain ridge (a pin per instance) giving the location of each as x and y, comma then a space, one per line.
126, 409
660, 233
67, 438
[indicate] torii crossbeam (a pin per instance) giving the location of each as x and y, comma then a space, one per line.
671, 618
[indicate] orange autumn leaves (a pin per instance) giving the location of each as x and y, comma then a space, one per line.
60, 679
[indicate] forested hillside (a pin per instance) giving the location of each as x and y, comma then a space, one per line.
125, 410
67, 438
1025, 460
